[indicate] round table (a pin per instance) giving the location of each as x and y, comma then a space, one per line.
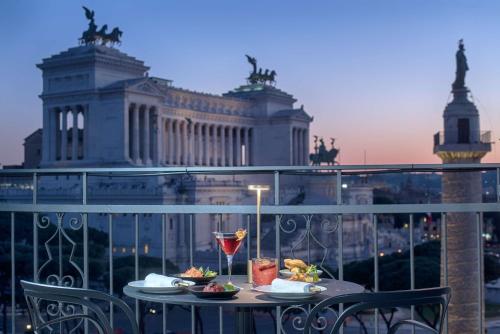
246, 299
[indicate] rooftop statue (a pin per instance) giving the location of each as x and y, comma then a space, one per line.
462, 67
257, 77
322, 154
94, 36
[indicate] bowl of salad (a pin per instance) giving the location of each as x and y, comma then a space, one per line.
200, 275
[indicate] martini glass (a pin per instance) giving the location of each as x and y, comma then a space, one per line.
229, 243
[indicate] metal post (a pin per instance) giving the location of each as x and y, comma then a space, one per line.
340, 238
85, 245
444, 244
111, 286
191, 245
163, 265
278, 239
136, 260
35, 229
479, 224
13, 273
412, 268
375, 258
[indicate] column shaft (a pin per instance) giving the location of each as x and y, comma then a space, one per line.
199, 138
74, 135
177, 142
223, 146
64, 135
230, 142
247, 146
135, 139
146, 149
238, 146
206, 161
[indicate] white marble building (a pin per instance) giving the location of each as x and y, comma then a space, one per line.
123, 117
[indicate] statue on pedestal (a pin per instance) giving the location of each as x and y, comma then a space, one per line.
259, 77
462, 67
322, 154
92, 35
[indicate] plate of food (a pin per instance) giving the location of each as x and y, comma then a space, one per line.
214, 290
298, 270
286, 289
159, 284
200, 276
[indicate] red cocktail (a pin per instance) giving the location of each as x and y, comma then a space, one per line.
230, 243
264, 270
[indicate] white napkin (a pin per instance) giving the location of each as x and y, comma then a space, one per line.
282, 285
155, 280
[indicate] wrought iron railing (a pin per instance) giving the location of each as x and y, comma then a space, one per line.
65, 223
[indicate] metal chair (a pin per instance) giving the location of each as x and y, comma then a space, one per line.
66, 305
358, 302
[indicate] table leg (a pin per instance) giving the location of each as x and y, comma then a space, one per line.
244, 321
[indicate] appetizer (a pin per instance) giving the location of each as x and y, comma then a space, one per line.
301, 271
215, 287
199, 272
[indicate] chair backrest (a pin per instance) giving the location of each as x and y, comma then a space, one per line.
354, 303
69, 305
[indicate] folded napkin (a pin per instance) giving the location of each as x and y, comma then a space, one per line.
282, 285
155, 280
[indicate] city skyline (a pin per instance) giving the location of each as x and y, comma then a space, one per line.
342, 63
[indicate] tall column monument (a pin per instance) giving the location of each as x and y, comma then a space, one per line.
462, 142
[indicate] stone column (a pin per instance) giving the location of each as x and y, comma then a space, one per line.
238, 146
86, 131
64, 134
206, 160
300, 149
52, 134
190, 137
159, 139
247, 146
306, 147
210, 144
146, 149
135, 139
170, 143
223, 145
47, 130
230, 142
177, 142
200, 145
74, 134
185, 143
294, 146
216, 146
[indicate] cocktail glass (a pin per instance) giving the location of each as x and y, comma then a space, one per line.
264, 271
230, 243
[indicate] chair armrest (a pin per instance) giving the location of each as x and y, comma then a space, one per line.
414, 323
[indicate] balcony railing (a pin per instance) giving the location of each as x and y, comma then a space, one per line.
58, 206
484, 137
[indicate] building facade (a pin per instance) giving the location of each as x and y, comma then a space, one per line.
100, 107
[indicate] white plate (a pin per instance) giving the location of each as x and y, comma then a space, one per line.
267, 289
287, 273
139, 285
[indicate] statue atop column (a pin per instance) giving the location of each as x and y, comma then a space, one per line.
94, 36
462, 67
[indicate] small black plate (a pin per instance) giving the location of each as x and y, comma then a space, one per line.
196, 280
198, 292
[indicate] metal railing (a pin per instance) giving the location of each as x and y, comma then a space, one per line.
484, 137
46, 214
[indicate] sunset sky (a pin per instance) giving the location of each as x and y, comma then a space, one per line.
376, 75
